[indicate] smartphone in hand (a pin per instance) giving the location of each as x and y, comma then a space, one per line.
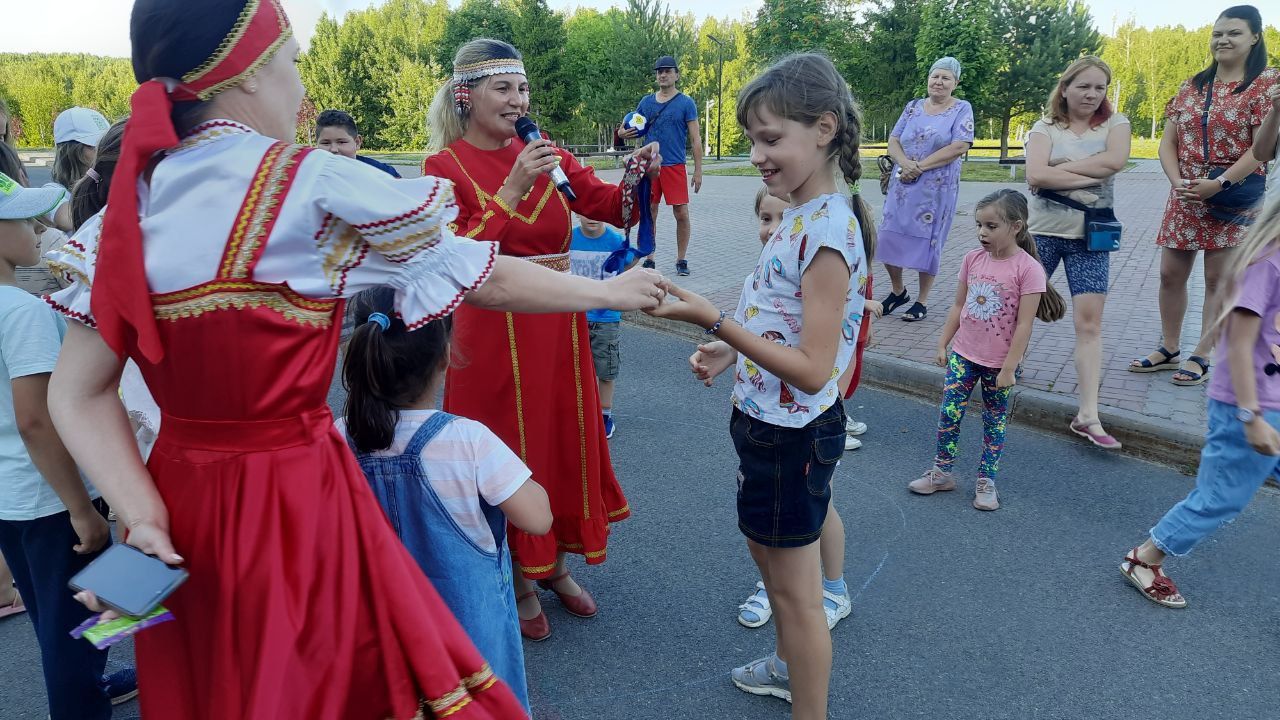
128, 580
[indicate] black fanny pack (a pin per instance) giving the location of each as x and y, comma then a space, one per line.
1101, 228
1233, 204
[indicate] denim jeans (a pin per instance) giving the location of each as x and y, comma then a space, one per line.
39, 554
1230, 473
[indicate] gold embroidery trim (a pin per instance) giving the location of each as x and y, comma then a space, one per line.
460, 696
228, 43
515, 374
69, 273
286, 32
485, 198
582, 424
209, 297
262, 203
625, 509
559, 263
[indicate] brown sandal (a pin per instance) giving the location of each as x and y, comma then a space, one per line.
1161, 591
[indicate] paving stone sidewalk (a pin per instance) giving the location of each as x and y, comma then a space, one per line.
725, 247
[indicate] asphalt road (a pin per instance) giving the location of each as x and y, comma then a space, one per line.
958, 614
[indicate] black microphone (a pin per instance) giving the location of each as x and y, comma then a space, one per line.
528, 131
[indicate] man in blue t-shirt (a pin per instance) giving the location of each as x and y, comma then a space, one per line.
671, 118
592, 244
336, 132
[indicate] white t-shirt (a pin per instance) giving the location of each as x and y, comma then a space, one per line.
465, 462
30, 338
771, 307
1058, 220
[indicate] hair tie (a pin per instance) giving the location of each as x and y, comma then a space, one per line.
382, 320
93, 175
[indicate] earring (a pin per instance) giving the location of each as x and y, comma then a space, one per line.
462, 96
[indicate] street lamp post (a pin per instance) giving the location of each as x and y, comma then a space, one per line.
719, 86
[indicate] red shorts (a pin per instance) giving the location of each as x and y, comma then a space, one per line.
672, 186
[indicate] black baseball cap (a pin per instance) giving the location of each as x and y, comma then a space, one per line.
666, 61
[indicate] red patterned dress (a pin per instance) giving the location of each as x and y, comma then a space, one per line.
531, 378
1232, 120
302, 602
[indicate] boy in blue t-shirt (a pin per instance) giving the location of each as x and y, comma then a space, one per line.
672, 120
52, 523
592, 244
336, 133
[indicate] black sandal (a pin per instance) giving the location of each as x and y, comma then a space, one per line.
1196, 378
1144, 365
917, 313
893, 302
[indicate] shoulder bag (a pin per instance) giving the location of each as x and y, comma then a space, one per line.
885, 164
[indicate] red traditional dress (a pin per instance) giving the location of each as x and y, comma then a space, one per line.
1232, 120
530, 378
301, 603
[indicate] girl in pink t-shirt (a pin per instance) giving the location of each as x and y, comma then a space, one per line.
1002, 288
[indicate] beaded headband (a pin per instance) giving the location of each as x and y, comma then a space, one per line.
465, 75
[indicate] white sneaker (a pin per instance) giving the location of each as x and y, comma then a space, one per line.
843, 607
853, 427
851, 443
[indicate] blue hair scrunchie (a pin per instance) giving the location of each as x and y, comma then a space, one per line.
381, 320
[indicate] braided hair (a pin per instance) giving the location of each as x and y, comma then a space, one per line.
803, 87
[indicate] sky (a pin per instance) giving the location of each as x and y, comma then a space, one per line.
101, 27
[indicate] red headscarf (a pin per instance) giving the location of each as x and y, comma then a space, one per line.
121, 300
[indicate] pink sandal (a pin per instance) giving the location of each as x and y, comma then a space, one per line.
1102, 440
14, 608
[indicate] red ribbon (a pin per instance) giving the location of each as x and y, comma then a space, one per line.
121, 299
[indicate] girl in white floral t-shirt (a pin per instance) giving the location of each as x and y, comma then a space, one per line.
791, 339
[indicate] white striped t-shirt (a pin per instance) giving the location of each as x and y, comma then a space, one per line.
464, 462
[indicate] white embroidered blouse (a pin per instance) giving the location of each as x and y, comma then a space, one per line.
343, 227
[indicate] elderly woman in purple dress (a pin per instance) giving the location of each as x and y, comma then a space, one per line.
926, 145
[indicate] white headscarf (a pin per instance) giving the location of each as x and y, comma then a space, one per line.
949, 64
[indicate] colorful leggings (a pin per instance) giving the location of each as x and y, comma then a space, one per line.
962, 376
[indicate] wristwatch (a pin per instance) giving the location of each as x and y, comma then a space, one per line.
1245, 415
1222, 179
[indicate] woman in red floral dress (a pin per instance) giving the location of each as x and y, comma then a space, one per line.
1235, 88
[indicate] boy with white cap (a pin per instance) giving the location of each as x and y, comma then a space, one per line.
51, 522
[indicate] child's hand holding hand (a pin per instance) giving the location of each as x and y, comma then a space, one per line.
635, 289
688, 307
1262, 437
1008, 377
873, 308
91, 529
712, 359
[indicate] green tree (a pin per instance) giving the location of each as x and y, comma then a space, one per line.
882, 68
1043, 37
788, 26
475, 19
701, 80
966, 30
540, 36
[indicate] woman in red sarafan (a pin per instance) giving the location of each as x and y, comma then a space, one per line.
227, 289
1228, 101
529, 378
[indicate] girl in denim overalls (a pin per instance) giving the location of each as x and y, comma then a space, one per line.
447, 484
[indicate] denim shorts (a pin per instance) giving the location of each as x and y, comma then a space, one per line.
605, 349
784, 476
1088, 271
